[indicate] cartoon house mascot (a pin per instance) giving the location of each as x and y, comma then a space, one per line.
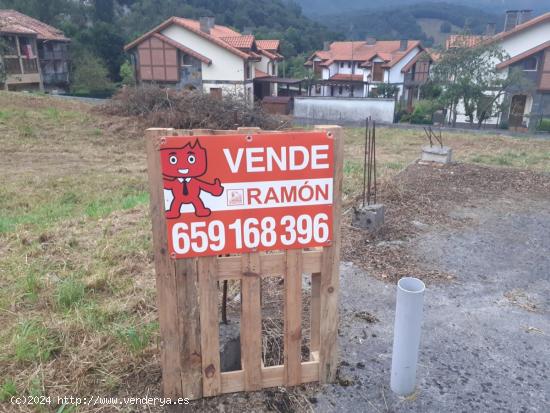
181, 168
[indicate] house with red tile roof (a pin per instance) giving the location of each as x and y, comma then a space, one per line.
357, 68
200, 54
36, 56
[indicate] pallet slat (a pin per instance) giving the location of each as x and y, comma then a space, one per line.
229, 268
251, 321
170, 344
210, 335
293, 317
330, 271
273, 376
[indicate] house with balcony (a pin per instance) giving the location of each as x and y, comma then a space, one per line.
35, 55
359, 68
200, 54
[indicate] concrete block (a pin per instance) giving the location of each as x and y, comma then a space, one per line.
369, 217
437, 154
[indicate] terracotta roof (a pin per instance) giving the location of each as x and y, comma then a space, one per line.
272, 45
240, 42
270, 55
194, 26
183, 48
216, 31
524, 55
343, 76
12, 21
223, 36
388, 50
463, 40
258, 73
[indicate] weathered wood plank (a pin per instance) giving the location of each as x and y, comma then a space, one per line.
273, 264
210, 335
273, 376
165, 272
232, 381
293, 317
189, 327
330, 270
251, 321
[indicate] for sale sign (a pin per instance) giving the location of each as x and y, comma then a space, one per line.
241, 193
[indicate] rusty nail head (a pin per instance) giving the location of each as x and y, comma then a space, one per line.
329, 135
173, 255
330, 290
249, 138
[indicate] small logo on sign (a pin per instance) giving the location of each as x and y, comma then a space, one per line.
235, 197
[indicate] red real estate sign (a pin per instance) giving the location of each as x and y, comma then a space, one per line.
240, 193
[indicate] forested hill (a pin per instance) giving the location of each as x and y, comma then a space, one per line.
100, 28
329, 7
430, 22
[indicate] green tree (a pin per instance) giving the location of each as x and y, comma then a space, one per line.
90, 75
127, 74
104, 10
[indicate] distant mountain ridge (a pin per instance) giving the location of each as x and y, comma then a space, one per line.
327, 7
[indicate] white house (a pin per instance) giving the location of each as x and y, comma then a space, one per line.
199, 54
526, 41
358, 68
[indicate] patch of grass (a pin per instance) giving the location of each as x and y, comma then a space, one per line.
103, 207
397, 166
137, 338
6, 115
26, 130
33, 341
7, 390
69, 293
52, 114
31, 285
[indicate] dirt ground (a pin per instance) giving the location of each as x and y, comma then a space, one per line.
77, 294
486, 329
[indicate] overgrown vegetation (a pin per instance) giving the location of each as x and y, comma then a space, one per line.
188, 109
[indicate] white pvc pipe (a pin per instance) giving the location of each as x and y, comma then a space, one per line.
406, 335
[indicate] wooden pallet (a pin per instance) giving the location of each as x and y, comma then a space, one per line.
187, 300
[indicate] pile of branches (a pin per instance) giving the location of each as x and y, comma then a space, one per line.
188, 109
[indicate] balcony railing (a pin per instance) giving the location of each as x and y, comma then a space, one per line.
12, 65
55, 78
30, 65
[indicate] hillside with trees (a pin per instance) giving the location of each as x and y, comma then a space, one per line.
100, 28
410, 22
329, 7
